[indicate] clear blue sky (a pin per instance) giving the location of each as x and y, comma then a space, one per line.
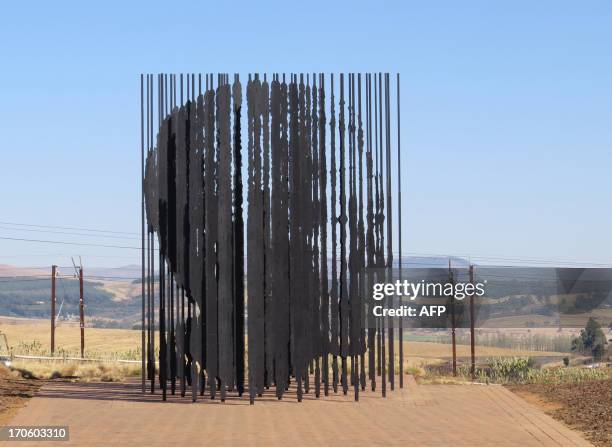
506, 112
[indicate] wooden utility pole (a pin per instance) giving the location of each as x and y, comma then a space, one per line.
82, 312
472, 344
452, 281
53, 274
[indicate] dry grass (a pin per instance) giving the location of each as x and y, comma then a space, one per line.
86, 372
30, 337
123, 290
419, 355
110, 343
538, 321
443, 351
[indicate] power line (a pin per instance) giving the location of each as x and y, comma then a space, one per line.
82, 244
466, 256
68, 233
8, 279
68, 228
48, 255
483, 258
47, 277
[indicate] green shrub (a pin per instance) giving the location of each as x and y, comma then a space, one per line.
509, 369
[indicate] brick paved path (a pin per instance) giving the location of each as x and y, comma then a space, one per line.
107, 414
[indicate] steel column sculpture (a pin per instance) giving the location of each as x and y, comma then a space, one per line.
298, 305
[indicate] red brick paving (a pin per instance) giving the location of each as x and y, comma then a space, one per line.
111, 414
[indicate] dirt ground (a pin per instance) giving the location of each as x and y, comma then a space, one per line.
586, 406
15, 391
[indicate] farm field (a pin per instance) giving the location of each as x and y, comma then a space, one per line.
577, 321
581, 406
427, 350
31, 337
